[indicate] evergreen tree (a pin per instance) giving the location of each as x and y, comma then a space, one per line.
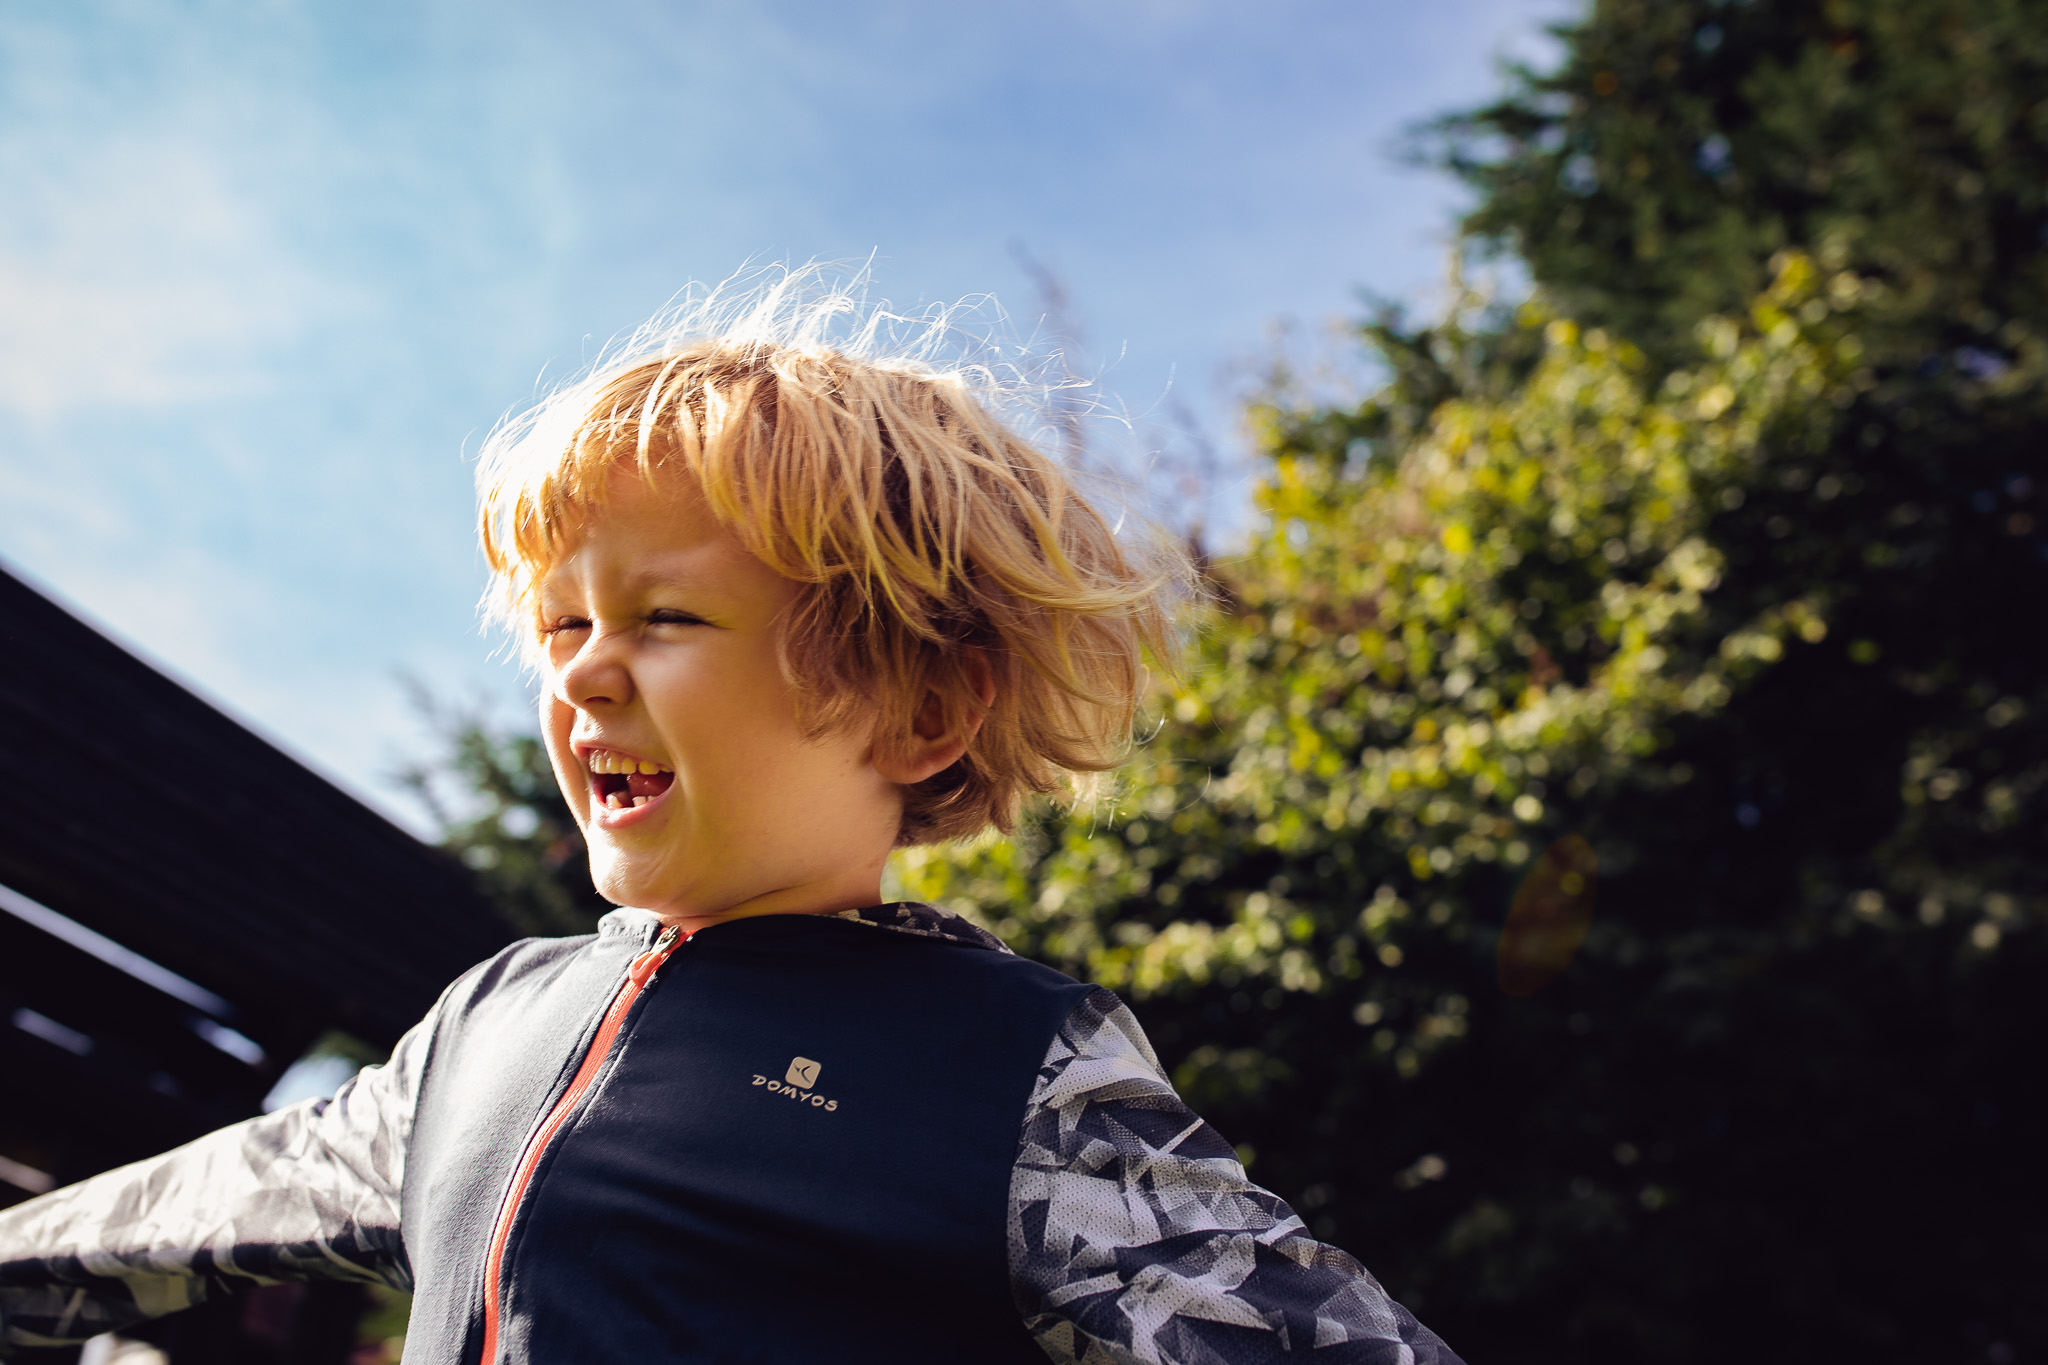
1648, 180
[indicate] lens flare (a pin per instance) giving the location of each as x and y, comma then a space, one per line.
1552, 910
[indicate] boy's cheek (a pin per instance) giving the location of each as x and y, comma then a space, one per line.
555, 723
574, 787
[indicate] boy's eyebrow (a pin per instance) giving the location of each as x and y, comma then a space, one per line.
693, 585
648, 580
682, 580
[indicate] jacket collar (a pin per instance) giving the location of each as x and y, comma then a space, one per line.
926, 921
902, 917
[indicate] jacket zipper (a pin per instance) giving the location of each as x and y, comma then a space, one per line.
638, 975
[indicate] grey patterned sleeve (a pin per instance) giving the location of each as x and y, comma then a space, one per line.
307, 1193
1136, 1236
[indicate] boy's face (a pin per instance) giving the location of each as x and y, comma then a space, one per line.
675, 736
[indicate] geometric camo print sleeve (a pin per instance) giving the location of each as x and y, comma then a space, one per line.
309, 1192
1135, 1235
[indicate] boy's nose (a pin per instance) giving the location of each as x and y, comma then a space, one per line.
596, 676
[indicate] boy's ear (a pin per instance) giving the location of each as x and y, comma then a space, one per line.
939, 732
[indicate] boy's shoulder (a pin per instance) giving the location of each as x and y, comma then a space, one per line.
926, 921
958, 948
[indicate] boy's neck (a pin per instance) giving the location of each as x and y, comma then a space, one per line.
795, 900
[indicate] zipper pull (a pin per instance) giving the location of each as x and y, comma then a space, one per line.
648, 963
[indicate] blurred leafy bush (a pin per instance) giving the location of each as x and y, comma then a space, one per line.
493, 793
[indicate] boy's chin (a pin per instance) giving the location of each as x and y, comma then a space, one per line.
621, 882
644, 883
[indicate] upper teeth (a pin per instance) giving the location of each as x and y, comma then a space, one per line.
605, 761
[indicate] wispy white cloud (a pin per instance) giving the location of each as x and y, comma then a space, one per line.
141, 277
142, 261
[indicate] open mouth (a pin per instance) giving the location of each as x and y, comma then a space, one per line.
622, 782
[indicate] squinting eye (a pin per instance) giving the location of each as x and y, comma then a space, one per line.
560, 624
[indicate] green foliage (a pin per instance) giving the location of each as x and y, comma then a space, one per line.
509, 823
1649, 178
1754, 613
380, 1332
1425, 652
1557, 614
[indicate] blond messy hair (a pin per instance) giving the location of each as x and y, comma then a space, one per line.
937, 547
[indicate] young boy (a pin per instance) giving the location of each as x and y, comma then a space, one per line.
792, 609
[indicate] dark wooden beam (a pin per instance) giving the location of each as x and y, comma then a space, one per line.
121, 1015
141, 811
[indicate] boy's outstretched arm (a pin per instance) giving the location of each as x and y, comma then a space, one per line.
307, 1193
1136, 1236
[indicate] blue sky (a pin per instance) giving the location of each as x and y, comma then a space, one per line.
270, 271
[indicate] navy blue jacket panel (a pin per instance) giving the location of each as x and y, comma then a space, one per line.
801, 1150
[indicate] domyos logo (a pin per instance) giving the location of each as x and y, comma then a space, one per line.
796, 1083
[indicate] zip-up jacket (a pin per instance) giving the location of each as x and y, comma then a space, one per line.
870, 1136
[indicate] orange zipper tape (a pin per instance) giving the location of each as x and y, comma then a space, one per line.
637, 976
